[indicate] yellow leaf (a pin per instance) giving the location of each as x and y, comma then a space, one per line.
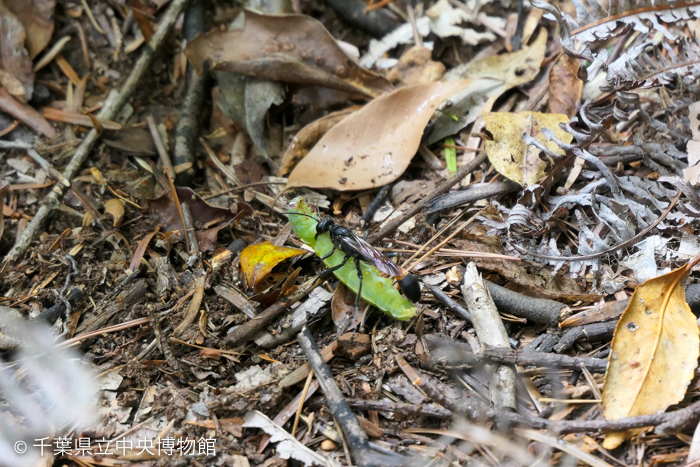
653, 354
508, 152
258, 260
115, 208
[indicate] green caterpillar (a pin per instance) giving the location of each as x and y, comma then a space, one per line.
376, 289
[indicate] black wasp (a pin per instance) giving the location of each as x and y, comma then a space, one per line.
354, 247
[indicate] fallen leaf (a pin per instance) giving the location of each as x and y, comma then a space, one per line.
236, 299
288, 48
375, 145
25, 114
208, 220
268, 292
507, 150
35, 16
258, 261
14, 57
653, 354
12, 84
404, 34
493, 75
115, 208
564, 86
343, 308
141, 250
415, 66
135, 140
287, 446
309, 136
446, 21
246, 101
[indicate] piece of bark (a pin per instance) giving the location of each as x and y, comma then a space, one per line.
59, 307
353, 345
455, 353
470, 194
595, 332
490, 331
113, 305
538, 310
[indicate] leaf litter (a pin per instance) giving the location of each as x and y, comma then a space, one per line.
559, 141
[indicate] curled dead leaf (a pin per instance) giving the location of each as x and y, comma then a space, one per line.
343, 308
141, 250
35, 16
208, 219
373, 146
288, 48
565, 87
115, 208
653, 355
509, 153
14, 58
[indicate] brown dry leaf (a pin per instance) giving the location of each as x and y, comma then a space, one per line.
508, 152
25, 114
35, 15
653, 355
14, 58
135, 140
309, 136
258, 260
373, 146
208, 219
415, 66
289, 48
115, 208
141, 250
564, 86
343, 308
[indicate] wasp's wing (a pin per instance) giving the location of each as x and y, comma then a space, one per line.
375, 257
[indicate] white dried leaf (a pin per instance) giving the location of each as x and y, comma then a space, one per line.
287, 446
401, 35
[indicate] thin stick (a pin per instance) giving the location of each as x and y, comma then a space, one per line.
441, 189
160, 147
432, 239
112, 107
352, 431
301, 401
444, 242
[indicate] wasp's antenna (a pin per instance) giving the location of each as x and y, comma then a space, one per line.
274, 201
302, 214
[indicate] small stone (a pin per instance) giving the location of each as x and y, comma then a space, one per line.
353, 346
328, 445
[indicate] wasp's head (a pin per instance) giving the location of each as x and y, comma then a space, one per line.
324, 225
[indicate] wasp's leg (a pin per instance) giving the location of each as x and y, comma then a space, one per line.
334, 268
359, 292
324, 257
